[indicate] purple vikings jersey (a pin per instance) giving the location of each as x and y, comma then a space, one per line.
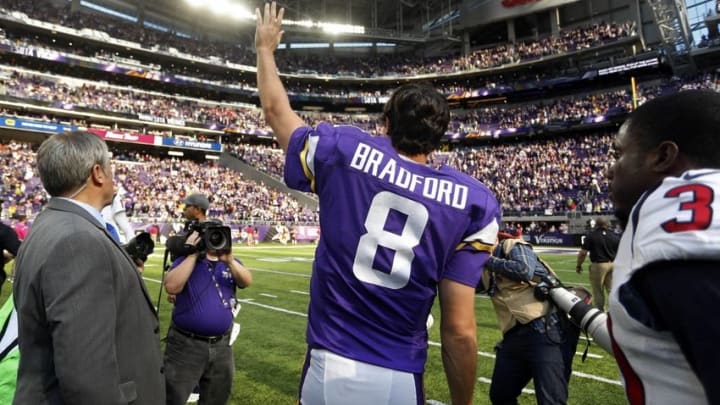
390, 228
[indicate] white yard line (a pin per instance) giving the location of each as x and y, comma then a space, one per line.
250, 301
300, 292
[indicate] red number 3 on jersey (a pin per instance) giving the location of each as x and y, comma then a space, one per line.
700, 208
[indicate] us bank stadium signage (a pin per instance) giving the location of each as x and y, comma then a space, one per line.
479, 12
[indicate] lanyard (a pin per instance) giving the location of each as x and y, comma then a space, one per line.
211, 269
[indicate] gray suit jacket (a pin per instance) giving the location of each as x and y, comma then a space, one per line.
88, 332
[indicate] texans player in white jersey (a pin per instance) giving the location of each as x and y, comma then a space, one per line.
666, 285
395, 233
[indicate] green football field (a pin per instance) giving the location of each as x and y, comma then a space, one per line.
270, 349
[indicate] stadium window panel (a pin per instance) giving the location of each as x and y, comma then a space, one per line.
384, 44
183, 35
698, 34
108, 11
156, 26
310, 45
696, 11
353, 44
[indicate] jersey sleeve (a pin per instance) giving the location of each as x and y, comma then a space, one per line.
117, 205
695, 288
308, 149
473, 252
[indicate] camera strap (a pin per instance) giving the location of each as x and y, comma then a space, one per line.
587, 346
211, 269
573, 325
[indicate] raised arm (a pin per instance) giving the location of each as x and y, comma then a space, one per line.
273, 97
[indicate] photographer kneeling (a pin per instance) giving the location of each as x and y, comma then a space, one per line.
203, 279
538, 342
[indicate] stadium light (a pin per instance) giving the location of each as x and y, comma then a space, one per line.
328, 27
332, 28
195, 3
240, 12
220, 7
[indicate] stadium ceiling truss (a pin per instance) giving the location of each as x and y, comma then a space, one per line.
671, 19
391, 19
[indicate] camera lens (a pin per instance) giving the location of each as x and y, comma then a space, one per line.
216, 240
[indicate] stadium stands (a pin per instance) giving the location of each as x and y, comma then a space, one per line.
532, 176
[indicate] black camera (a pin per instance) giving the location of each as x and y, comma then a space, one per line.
576, 303
140, 247
213, 237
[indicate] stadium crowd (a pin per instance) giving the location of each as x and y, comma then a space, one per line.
538, 177
568, 40
70, 93
153, 188
542, 177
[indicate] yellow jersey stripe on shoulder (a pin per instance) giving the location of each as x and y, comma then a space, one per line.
479, 246
482, 240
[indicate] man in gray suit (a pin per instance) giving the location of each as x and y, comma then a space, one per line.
88, 331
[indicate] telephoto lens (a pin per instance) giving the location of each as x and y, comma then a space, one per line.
590, 319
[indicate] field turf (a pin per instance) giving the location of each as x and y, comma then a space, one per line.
271, 346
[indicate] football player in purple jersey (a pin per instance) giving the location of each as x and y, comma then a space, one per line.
395, 233
666, 285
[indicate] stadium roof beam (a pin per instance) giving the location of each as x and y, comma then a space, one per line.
671, 19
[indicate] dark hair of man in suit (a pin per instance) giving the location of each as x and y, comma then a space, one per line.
65, 161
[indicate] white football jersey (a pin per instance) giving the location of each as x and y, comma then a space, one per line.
108, 213
674, 221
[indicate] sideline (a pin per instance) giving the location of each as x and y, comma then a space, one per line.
251, 301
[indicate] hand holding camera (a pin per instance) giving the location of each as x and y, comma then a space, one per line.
226, 257
201, 237
193, 239
577, 307
139, 248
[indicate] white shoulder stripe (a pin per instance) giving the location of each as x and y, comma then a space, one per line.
312, 142
487, 235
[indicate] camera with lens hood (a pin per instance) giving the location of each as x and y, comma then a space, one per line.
576, 303
140, 247
214, 236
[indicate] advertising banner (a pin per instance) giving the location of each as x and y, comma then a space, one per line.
123, 136
32, 125
552, 239
187, 144
306, 233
